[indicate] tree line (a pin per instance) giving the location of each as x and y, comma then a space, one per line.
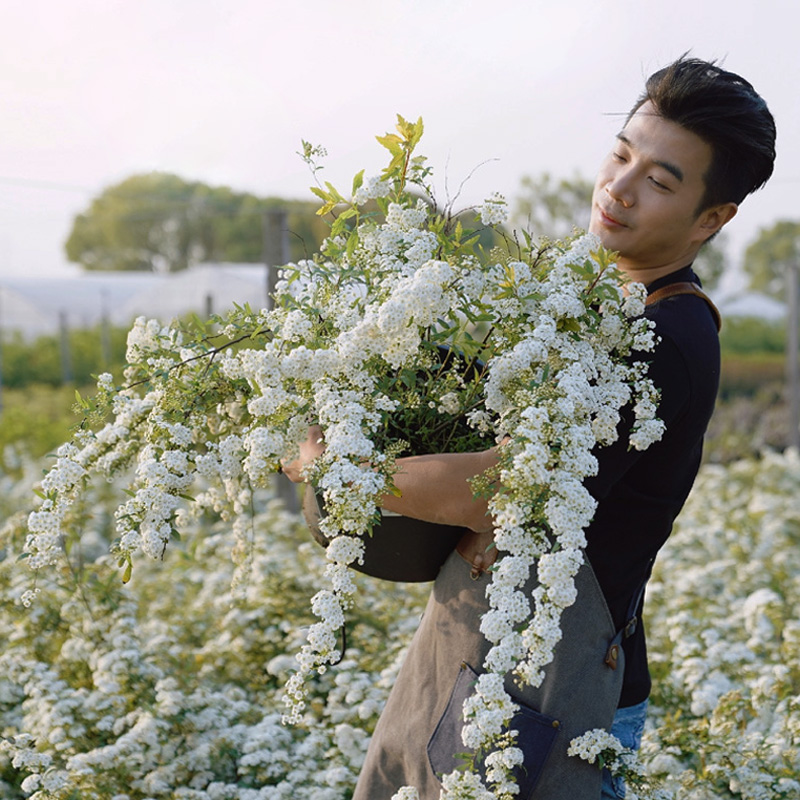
161, 222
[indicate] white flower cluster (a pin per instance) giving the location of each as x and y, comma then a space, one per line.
487, 711
45, 525
371, 189
592, 743
494, 210
406, 793
145, 521
603, 748
147, 339
465, 785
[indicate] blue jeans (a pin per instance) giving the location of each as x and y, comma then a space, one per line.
628, 727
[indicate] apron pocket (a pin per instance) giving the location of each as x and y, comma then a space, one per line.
536, 735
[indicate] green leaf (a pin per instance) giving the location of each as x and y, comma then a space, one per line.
326, 208
392, 142
352, 242
334, 193
358, 181
198, 323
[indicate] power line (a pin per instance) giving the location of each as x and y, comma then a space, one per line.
39, 184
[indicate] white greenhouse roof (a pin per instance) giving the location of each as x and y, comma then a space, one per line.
34, 306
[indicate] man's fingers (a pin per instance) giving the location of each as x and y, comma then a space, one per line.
311, 448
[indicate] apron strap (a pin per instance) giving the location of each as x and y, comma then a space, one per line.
629, 628
685, 287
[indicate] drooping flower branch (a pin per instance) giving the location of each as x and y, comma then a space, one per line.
405, 334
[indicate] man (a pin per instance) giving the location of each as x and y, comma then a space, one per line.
696, 143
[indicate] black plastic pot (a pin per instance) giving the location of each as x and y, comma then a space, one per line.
400, 548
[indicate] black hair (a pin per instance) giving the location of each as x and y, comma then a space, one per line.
725, 111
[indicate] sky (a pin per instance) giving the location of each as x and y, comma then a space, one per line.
93, 91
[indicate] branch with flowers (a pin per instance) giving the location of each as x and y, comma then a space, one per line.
600, 747
402, 336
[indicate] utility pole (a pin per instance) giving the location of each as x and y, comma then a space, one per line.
105, 332
276, 246
793, 352
66, 358
276, 254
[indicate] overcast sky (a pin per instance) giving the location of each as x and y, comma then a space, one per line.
93, 91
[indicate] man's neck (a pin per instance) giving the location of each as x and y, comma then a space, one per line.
648, 275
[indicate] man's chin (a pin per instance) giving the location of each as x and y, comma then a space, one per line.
602, 233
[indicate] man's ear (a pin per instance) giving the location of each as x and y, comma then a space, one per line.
713, 219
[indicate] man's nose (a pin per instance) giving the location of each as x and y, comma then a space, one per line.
620, 189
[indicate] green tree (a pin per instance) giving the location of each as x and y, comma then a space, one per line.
163, 223
712, 260
554, 208
770, 254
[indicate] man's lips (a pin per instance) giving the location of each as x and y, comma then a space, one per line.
609, 220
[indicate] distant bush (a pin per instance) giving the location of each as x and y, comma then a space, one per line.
749, 373
38, 418
744, 426
752, 335
43, 361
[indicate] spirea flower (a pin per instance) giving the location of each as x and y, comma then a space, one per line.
494, 210
593, 743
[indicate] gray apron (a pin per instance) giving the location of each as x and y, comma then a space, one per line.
422, 719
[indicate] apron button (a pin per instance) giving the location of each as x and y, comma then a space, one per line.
612, 656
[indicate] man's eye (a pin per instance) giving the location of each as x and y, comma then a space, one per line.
658, 184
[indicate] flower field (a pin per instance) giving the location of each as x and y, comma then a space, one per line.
170, 686
724, 636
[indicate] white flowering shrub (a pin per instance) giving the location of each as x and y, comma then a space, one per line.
724, 637
402, 335
171, 687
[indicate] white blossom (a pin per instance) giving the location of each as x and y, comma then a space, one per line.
494, 210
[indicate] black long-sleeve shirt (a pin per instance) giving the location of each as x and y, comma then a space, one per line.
640, 493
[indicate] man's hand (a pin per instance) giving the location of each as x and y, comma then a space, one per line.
311, 448
478, 550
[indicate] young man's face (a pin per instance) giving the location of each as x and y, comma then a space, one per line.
647, 194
